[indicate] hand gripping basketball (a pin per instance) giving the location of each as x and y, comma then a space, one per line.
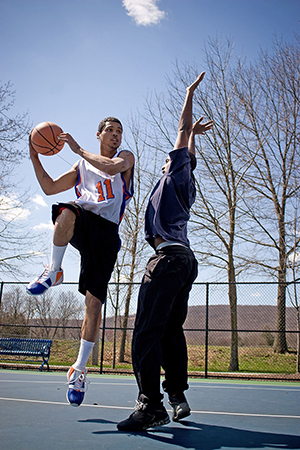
44, 138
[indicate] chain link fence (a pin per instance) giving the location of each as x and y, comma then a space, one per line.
58, 315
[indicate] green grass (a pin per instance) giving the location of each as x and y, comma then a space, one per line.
251, 359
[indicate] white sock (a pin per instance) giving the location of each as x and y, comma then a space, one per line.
57, 254
85, 350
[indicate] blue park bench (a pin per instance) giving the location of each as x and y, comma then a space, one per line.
26, 347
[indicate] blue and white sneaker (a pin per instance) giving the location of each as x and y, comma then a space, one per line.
77, 386
47, 279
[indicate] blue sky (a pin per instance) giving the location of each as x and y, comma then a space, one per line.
76, 62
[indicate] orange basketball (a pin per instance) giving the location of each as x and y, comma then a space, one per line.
44, 138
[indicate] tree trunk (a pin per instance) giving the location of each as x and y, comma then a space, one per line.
128, 297
280, 344
234, 358
124, 326
298, 341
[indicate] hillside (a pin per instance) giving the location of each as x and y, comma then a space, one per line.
250, 318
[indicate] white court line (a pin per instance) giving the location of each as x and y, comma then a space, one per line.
46, 402
239, 386
62, 382
133, 383
276, 416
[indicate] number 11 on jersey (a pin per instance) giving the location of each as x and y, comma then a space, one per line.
108, 189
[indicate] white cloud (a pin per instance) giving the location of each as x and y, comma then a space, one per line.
144, 12
44, 226
39, 200
12, 209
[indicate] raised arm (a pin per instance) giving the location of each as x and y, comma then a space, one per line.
186, 118
198, 128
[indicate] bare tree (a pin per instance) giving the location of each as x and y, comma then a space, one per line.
15, 239
67, 310
43, 308
247, 167
13, 312
220, 170
269, 93
12, 132
217, 218
116, 295
134, 247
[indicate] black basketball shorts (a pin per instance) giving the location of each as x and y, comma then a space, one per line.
98, 243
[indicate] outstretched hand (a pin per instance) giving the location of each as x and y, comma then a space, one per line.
201, 128
196, 83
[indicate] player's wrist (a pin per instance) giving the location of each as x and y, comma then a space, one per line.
77, 149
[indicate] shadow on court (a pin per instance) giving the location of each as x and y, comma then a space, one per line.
196, 436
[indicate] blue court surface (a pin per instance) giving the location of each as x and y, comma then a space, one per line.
225, 415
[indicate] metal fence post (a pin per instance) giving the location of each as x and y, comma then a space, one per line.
102, 340
206, 331
1, 291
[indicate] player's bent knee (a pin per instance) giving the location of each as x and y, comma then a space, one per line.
66, 218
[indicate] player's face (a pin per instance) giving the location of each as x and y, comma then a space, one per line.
166, 166
111, 135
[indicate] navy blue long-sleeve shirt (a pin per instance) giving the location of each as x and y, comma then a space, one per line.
168, 210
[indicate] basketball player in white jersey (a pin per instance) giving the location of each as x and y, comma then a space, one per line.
104, 185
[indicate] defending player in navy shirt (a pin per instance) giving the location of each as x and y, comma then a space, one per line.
158, 337
169, 206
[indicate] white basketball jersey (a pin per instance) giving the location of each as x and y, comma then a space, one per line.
103, 194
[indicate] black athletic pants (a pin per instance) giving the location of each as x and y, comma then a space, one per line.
158, 338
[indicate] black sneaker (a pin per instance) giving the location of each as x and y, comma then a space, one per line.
144, 417
180, 407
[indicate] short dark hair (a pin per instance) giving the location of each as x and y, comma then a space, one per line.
108, 119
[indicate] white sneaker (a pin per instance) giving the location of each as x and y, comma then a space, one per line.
47, 279
77, 386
